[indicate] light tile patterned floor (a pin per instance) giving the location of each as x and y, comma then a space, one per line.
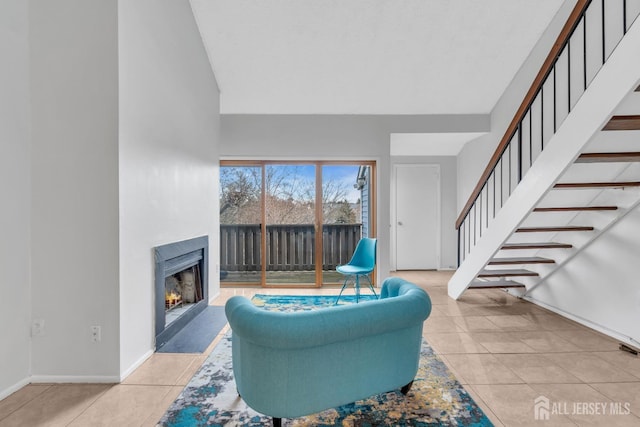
505, 351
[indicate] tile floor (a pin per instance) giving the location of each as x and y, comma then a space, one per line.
506, 353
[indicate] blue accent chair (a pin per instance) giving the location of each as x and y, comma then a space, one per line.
287, 365
362, 263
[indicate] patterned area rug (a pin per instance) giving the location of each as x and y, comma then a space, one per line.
436, 398
304, 302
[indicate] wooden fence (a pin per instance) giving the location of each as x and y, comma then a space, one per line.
290, 247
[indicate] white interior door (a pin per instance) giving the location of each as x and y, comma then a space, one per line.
417, 218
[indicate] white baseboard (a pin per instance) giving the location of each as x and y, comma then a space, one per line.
12, 389
135, 365
585, 322
76, 379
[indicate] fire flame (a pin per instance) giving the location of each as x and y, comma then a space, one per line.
172, 298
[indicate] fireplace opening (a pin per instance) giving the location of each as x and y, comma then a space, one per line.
181, 271
182, 291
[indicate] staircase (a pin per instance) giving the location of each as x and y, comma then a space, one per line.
566, 171
569, 218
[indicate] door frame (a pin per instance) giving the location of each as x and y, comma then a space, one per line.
394, 212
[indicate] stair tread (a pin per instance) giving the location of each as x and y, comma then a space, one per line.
521, 260
609, 184
559, 228
481, 284
627, 156
575, 208
542, 245
507, 272
628, 122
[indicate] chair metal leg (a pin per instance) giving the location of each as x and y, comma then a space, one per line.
371, 285
357, 287
344, 285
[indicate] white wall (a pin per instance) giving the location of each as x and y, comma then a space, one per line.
474, 157
76, 223
74, 197
337, 137
14, 190
169, 125
448, 187
599, 287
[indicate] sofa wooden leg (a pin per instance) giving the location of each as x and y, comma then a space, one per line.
277, 422
405, 389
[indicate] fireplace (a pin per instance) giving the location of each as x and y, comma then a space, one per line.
181, 291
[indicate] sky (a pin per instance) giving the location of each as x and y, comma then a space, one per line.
346, 175
343, 175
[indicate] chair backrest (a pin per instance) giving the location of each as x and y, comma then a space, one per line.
365, 253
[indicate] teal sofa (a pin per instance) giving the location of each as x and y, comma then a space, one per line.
288, 365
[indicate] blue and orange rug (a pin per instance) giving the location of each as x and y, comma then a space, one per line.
436, 398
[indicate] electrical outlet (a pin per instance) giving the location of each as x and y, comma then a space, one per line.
96, 334
37, 327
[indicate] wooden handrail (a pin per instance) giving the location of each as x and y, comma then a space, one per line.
547, 66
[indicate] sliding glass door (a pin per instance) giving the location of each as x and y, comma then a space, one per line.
290, 217
291, 223
240, 224
345, 215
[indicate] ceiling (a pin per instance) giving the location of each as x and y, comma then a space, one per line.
368, 56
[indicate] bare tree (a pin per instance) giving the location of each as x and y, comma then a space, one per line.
240, 195
289, 197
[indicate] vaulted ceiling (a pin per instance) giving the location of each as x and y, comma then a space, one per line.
368, 56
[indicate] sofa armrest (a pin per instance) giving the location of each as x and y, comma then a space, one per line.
396, 286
